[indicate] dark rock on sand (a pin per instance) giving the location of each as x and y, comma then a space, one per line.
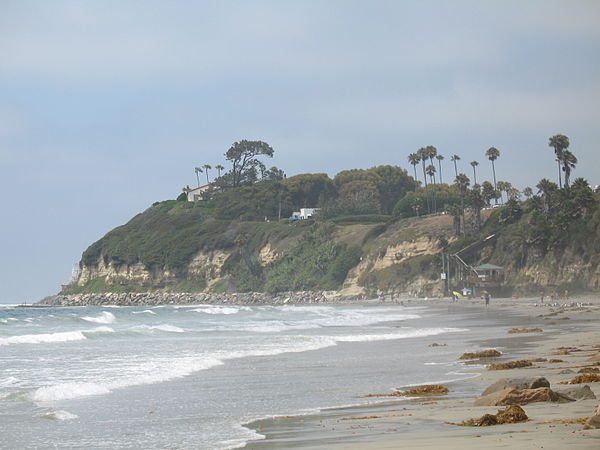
511, 396
517, 383
566, 371
577, 392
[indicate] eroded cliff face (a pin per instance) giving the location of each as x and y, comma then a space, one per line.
205, 266
401, 259
556, 270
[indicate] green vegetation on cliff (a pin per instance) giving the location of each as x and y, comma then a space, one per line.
393, 230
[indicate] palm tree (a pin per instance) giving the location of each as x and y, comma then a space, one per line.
219, 167
431, 153
492, 154
414, 159
455, 158
504, 186
423, 155
440, 158
560, 143
548, 190
430, 170
569, 162
207, 167
528, 192
198, 170
462, 181
474, 164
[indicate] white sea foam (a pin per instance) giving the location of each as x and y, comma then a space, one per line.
278, 326
151, 372
43, 338
59, 414
47, 338
217, 310
68, 391
9, 381
163, 327
105, 317
146, 311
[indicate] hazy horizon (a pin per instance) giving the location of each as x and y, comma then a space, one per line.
107, 107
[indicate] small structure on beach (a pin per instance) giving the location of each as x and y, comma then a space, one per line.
489, 273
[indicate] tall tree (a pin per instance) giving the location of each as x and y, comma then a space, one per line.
198, 170
424, 155
569, 161
548, 189
414, 159
207, 167
473, 165
527, 192
431, 153
488, 192
219, 167
504, 186
244, 156
560, 143
455, 158
476, 202
431, 172
492, 154
462, 182
440, 158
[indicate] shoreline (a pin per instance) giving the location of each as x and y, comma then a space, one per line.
424, 423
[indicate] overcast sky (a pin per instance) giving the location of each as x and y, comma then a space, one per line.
107, 106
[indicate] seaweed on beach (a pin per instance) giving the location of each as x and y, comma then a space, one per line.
510, 365
512, 414
417, 391
525, 330
482, 354
586, 378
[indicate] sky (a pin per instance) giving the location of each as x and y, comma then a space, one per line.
107, 106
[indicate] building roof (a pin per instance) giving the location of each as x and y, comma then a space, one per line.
200, 187
488, 267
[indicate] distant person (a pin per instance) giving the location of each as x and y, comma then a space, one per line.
542, 296
487, 300
566, 294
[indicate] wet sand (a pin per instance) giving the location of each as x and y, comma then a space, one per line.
426, 423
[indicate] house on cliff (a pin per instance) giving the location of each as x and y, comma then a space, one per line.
195, 194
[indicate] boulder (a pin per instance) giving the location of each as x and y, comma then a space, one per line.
511, 396
577, 392
517, 383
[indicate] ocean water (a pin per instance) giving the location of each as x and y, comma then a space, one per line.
189, 377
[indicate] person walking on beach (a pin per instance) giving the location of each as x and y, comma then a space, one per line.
487, 299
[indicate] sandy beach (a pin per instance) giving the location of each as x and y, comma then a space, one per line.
570, 333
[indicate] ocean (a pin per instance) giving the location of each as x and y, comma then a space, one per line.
190, 377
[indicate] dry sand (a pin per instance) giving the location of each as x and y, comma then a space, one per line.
424, 423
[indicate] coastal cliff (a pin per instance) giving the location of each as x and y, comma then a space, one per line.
177, 246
